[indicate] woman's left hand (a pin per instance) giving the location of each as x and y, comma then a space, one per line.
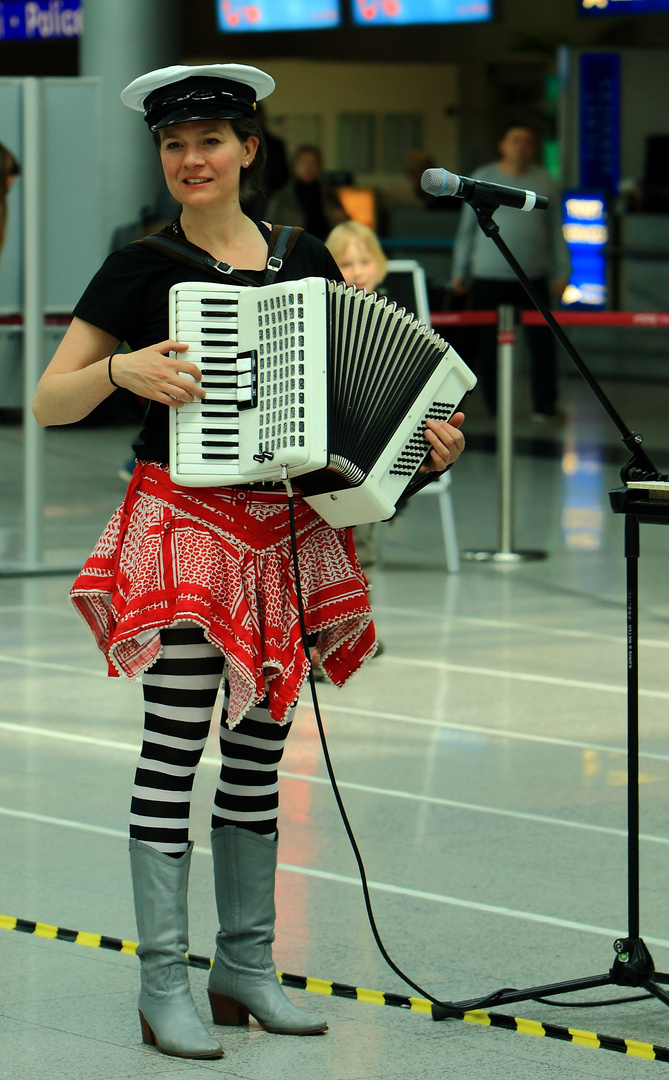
446, 440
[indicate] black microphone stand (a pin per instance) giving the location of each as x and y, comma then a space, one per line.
633, 964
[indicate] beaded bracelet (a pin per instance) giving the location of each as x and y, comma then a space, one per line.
110, 374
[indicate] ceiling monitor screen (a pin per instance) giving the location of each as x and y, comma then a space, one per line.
415, 12
622, 7
247, 16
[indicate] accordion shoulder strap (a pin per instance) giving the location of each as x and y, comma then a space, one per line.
281, 242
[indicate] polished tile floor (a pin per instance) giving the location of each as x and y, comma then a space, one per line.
481, 759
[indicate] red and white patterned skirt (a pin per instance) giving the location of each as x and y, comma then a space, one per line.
221, 558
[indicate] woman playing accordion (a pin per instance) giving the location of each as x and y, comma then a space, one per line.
185, 582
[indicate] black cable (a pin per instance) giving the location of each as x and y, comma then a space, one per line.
447, 1006
592, 1004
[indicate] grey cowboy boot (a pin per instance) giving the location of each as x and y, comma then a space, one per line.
243, 978
167, 1011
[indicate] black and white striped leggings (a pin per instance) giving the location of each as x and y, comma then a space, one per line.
179, 695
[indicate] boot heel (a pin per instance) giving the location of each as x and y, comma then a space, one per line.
147, 1034
226, 1011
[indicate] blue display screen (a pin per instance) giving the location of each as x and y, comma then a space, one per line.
247, 16
585, 230
410, 12
600, 89
40, 20
622, 7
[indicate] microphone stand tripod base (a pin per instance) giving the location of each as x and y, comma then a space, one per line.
632, 967
505, 558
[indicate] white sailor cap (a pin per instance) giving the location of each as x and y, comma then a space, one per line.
174, 95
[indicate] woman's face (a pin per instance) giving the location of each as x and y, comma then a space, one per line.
359, 267
202, 160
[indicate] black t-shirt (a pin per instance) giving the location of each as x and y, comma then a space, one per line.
129, 299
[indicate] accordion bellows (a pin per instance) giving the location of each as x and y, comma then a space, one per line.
327, 381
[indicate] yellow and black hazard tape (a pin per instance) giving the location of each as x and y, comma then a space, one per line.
632, 1047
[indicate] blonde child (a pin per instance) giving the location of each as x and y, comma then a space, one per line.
358, 254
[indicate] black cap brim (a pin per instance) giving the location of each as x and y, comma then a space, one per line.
184, 115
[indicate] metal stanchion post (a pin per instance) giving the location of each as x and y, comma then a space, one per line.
506, 340
505, 554
33, 321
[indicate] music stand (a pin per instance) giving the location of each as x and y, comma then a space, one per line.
405, 284
633, 964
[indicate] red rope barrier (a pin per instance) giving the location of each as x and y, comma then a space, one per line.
49, 320
565, 318
600, 318
476, 318
463, 318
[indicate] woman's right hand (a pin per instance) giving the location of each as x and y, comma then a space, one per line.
150, 373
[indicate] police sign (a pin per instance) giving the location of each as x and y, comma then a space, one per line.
40, 20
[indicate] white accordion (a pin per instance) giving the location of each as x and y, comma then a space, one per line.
313, 379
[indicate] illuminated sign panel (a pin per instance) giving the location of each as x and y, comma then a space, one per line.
599, 110
585, 230
244, 16
40, 20
622, 7
411, 12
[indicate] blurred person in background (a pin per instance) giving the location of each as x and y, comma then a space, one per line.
308, 200
536, 240
415, 164
9, 170
357, 252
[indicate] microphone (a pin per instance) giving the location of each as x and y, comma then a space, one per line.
480, 192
